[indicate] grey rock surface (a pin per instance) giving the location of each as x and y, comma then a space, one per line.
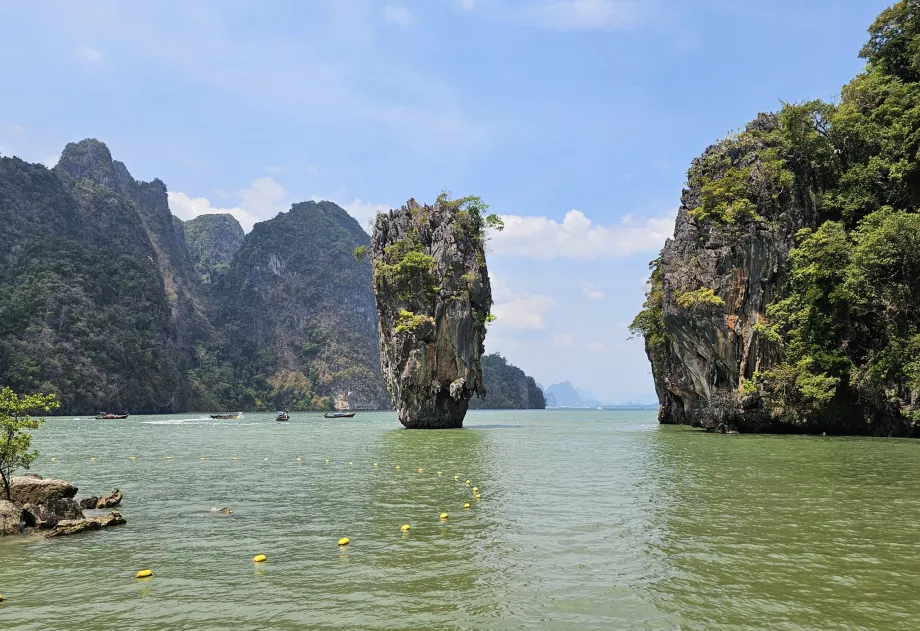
432, 313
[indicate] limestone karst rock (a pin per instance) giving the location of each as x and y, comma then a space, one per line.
433, 299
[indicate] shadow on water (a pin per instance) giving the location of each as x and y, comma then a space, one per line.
786, 531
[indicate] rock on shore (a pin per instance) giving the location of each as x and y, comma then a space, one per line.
48, 504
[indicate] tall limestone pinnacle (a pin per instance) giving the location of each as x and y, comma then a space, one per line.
433, 299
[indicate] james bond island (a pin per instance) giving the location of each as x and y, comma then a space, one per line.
434, 300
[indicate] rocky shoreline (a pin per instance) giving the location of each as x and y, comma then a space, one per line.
47, 504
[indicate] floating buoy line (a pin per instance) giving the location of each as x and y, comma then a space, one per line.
342, 542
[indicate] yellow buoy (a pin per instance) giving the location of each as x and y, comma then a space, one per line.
397, 466
169, 457
467, 505
350, 462
456, 477
259, 558
375, 464
54, 460
92, 460
202, 458
443, 515
475, 489
1, 598
405, 527
327, 459
143, 574
133, 457
439, 473
264, 459
468, 482
235, 458
297, 459
478, 496
419, 469
344, 541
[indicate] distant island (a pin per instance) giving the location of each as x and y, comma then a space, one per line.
112, 303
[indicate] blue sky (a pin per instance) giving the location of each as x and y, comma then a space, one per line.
576, 119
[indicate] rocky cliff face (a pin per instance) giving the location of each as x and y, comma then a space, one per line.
713, 283
101, 301
297, 315
97, 300
433, 300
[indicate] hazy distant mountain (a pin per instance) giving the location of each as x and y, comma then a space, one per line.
565, 394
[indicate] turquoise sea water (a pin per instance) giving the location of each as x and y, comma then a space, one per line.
588, 520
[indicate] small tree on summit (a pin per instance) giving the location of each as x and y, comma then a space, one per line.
15, 443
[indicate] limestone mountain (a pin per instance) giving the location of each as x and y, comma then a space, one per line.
112, 303
507, 387
98, 301
565, 395
212, 241
787, 298
296, 313
434, 299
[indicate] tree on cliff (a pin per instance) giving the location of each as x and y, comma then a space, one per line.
798, 240
15, 442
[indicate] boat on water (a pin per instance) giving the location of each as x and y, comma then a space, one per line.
110, 417
339, 414
227, 416
282, 416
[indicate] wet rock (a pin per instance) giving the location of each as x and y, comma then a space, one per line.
89, 502
31, 489
110, 500
51, 512
433, 299
75, 526
11, 521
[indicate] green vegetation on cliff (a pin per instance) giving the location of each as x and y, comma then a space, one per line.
296, 317
841, 336
212, 241
507, 387
111, 303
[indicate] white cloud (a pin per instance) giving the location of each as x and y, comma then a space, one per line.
398, 14
89, 53
589, 290
563, 339
575, 15
264, 199
577, 237
523, 312
467, 5
596, 346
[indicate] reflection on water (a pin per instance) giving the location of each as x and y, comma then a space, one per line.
589, 520
788, 532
